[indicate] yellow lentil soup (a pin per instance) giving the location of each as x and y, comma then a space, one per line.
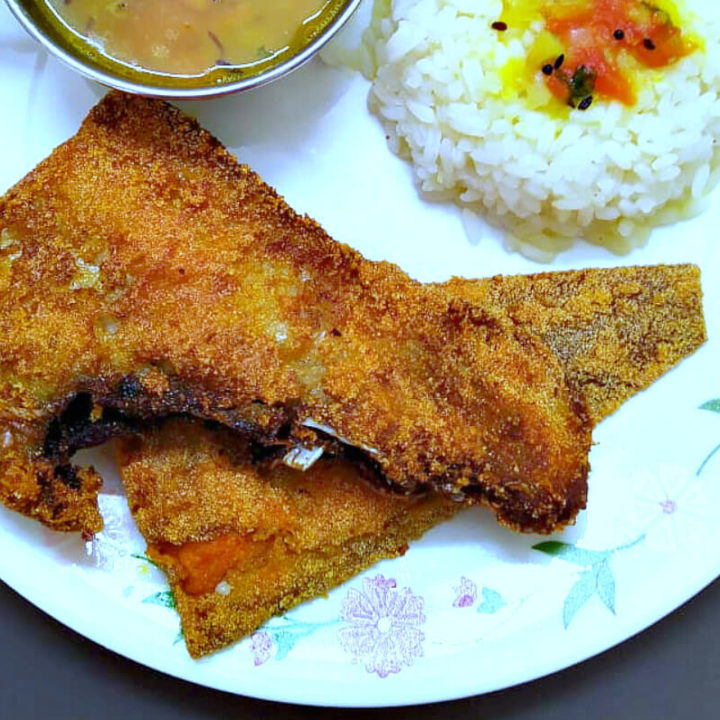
191, 38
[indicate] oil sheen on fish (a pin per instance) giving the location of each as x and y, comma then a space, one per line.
145, 273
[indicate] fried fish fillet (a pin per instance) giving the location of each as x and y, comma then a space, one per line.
145, 273
239, 546
615, 330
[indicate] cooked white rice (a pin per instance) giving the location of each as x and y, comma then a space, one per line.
607, 175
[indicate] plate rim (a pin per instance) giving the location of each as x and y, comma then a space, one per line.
565, 654
94, 627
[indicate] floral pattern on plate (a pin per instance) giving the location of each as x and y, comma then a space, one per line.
382, 626
314, 119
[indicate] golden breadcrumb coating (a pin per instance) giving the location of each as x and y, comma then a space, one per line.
270, 539
615, 330
144, 273
297, 534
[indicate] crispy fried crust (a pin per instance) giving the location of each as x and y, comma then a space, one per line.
306, 532
615, 330
143, 272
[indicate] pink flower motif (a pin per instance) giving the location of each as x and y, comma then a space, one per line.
262, 647
465, 592
383, 626
668, 506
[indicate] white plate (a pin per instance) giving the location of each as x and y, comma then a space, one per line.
483, 609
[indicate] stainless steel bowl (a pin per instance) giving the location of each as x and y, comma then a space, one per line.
86, 60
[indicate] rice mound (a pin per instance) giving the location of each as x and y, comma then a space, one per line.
607, 175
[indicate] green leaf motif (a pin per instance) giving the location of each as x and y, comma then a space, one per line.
287, 635
164, 598
704, 463
284, 642
596, 578
583, 589
492, 601
572, 554
712, 405
605, 584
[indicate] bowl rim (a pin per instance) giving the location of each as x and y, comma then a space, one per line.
194, 93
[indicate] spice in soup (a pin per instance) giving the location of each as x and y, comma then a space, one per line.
190, 37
